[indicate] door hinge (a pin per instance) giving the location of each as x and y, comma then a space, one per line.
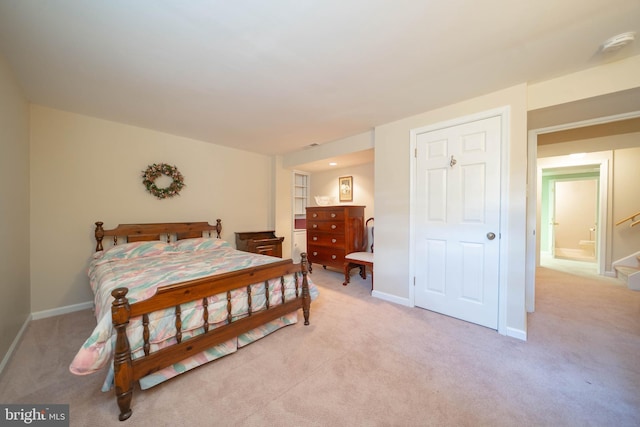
415, 152
414, 280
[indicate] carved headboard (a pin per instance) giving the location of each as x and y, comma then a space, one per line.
160, 231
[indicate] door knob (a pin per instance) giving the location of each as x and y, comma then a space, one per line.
491, 236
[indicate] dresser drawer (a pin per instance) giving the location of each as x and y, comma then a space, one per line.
325, 226
325, 255
325, 239
333, 232
337, 215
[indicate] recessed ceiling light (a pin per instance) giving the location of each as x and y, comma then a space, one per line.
333, 164
619, 41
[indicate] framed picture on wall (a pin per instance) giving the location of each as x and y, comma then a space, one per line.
345, 188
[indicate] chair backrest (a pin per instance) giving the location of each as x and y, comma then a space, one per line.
369, 233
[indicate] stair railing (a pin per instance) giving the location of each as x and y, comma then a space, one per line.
631, 218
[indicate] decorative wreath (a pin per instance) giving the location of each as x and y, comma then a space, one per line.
154, 171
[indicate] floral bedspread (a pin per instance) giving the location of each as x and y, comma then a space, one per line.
142, 267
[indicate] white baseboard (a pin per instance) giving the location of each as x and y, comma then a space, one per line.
14, 344
517, 333
391, 298
41, 315
61, 310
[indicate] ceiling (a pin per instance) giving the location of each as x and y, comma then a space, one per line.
339, 162
276, 76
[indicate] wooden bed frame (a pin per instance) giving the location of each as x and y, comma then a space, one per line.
128, 370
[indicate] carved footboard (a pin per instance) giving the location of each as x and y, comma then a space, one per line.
172, 296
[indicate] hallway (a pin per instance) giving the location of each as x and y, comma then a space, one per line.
578, 268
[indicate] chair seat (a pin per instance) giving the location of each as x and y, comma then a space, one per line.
360, 257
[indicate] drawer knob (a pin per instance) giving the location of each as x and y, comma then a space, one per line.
315, 254
334, 256
333, 240
315, 215
315, 225
333, 215
315, 238
333, 226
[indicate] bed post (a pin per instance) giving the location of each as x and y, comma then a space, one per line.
306, 298
218, 227
99, 233
123, 371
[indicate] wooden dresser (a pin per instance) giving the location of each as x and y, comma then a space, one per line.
260, 242
333, 232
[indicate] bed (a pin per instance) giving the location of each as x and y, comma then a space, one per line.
173, 296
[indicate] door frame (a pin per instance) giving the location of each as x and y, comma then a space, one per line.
602, 159
533, 204
504, 114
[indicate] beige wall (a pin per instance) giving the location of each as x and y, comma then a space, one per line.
85, 170
604, 79
326, 184
590, 145
626, 201
392, 194
283, 206
575, 213
14, 209
351, 144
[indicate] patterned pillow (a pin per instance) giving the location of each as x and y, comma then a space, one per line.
198, 244
135, 250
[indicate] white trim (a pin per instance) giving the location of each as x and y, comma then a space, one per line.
531, 251
505, 238
532, 202
391, 298
61, 310
41, 315
517, 333
14, 344
504, 114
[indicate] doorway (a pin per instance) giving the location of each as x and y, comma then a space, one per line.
576, 235
535, 165
569, 214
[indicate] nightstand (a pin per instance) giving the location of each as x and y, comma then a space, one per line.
260, 242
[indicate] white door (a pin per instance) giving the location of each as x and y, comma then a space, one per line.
457, 221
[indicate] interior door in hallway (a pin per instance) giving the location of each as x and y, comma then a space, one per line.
457, 221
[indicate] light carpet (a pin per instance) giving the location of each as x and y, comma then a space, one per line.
367, 362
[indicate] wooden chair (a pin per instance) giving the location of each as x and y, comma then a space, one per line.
362, 259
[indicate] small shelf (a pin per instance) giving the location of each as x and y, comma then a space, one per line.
300, 195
